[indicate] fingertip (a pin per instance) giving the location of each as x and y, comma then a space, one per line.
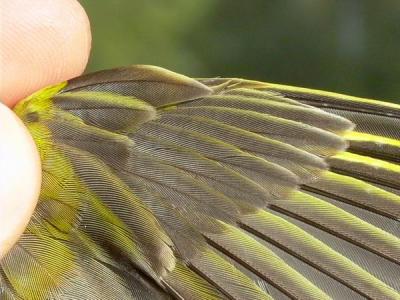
42, 42
20, 178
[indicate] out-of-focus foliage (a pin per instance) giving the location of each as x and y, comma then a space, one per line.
350, 46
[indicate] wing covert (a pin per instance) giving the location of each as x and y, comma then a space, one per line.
238, 189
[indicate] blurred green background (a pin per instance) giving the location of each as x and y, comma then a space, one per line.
349, 46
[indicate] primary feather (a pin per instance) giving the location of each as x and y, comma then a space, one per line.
156, 185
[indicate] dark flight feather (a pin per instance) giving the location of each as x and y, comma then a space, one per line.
159, 186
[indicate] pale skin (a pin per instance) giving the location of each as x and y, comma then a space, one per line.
41, 42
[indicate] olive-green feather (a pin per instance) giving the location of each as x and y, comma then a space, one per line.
158, 186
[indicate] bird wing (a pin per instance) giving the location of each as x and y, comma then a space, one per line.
156, 185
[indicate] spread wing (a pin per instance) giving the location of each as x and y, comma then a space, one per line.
158, 186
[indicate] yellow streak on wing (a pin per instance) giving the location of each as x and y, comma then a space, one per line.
374, 162
360, 136
331, 94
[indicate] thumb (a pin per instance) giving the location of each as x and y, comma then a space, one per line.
42, 42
